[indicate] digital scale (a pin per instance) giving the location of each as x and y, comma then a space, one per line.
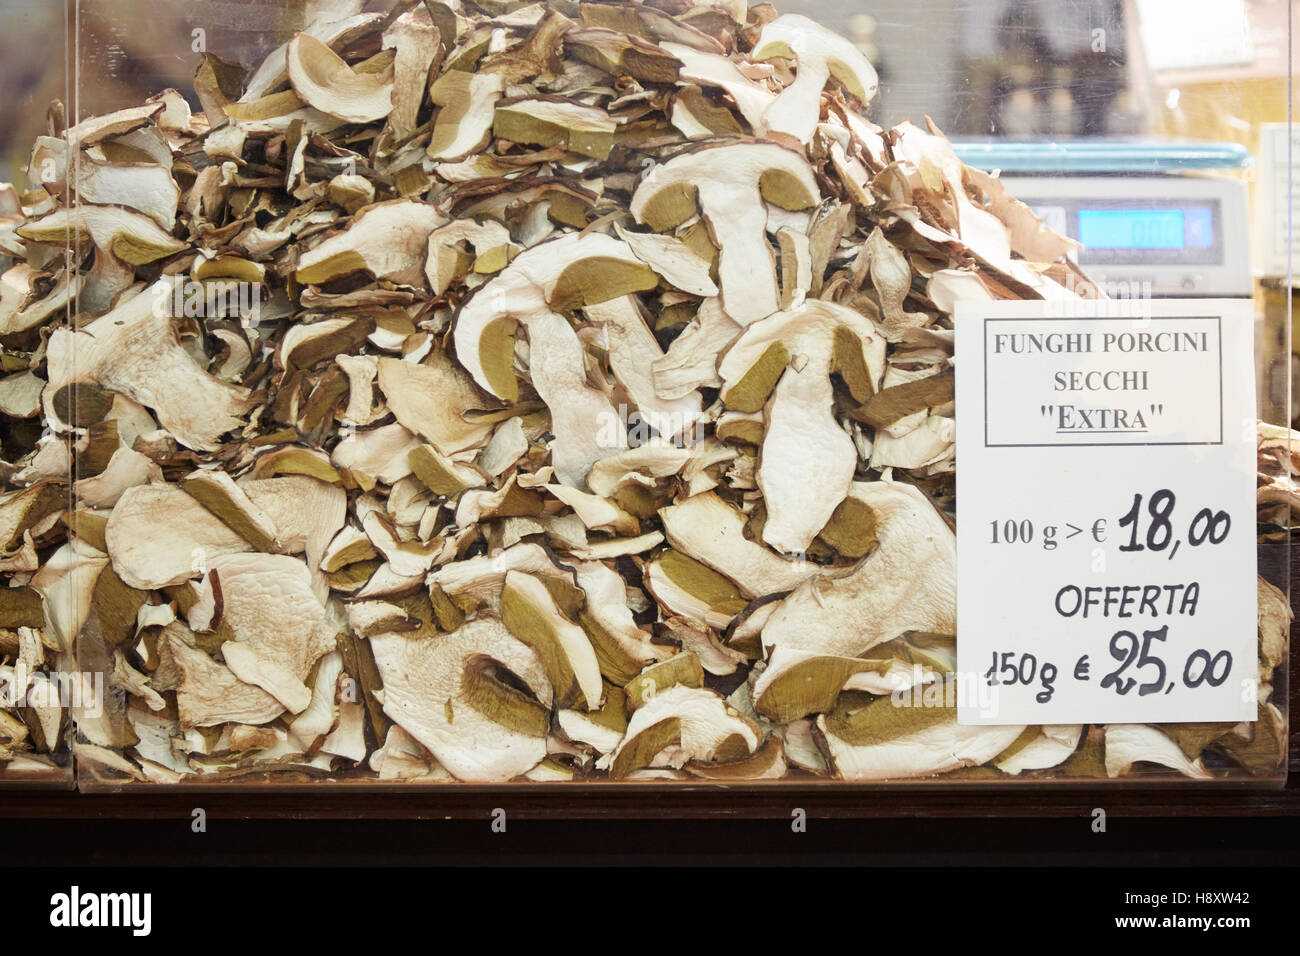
1154, 218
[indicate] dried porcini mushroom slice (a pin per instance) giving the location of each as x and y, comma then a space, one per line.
683, 724
729, 187
808, 461
324, 81
450, 692
819, 54
388, 240
907, 583
879, 738
567, 273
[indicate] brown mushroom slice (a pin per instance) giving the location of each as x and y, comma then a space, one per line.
464, 124
1051, 746
481, 579
131, 238
882, 739
713, 533
730, 185
808, 461
134, 350
545, 122
1127, 744
432, 399
692, 590
532, 616
159, 536
324, 81
906, 584
571, 272
389, 240
679, 725
442, 690
819, 54
1030, 236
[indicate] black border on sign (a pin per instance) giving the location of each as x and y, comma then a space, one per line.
1218, 326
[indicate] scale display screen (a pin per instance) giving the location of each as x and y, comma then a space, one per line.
1129, 228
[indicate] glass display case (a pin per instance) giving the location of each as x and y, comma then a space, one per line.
565, 393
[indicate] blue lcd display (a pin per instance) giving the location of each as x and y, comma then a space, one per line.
1132, 228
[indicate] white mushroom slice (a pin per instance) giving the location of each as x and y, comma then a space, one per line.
714, 656
596, 513
408, 559
416, 39
126, 469
949, 286
127, 236
633, 350
21, 308
801, 747
905, 584
432, 399
147, 189
622, 647
464, 125
361, 370
729, 185
443, 692
1054, 744
447, 261
710, 69
66, 584
589, 729
682, 724
531, 614
348, 740
379, 454
210, 693
319, 716
692, 359
820, 54
642, 467
158, 536
713, 532
389, 240
673, 259
920, 447
134, 350
1127, 744
509, 443
325, 82
482, 578
885, 740
571, 272
808, 461
692, 590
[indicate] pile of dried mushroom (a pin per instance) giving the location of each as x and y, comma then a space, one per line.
499, 390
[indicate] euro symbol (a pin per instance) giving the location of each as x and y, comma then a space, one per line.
1099, 530
1081, 668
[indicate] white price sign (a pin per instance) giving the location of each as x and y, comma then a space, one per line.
1106, 562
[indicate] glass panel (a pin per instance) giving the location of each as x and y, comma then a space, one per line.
559, 392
